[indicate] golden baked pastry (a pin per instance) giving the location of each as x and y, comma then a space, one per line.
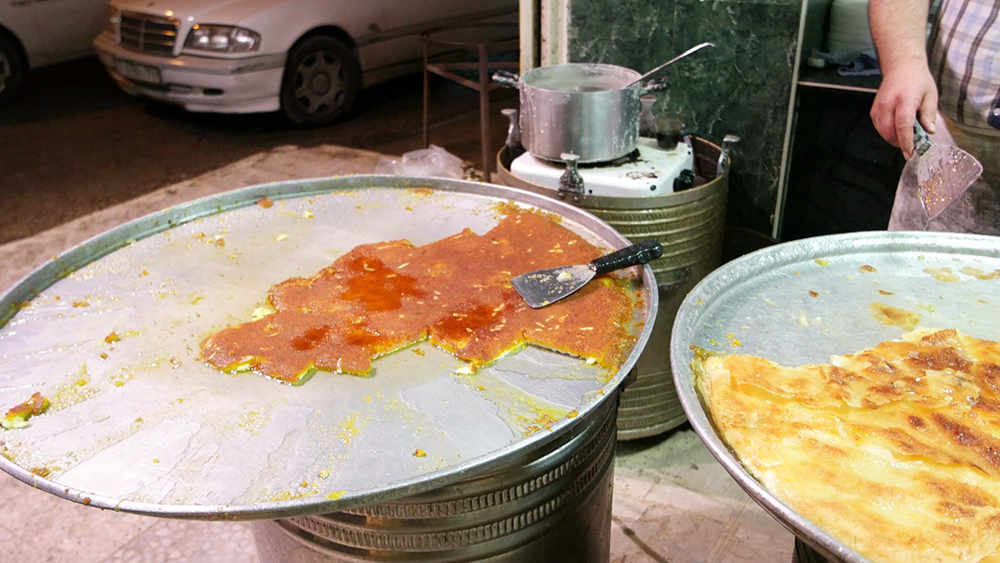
894, 450
456, 292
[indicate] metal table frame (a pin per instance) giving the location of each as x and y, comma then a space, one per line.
484, 85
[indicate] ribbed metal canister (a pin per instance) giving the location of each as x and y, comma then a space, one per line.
691, 234
554, 506
805, 554
690, 225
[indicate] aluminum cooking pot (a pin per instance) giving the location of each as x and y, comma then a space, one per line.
584, 109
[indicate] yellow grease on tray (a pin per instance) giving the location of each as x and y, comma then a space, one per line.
943, 274
351, 427
889, 315
524, 414
531, 415
76, 390
977, 273
544, 421
254, 421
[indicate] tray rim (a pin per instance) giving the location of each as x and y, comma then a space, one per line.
96, 247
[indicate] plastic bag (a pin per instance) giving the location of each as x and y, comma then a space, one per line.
431, 162
977, 210
974, 210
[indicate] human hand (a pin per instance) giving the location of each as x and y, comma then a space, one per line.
906, 92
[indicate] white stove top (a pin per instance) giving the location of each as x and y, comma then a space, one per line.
653, 173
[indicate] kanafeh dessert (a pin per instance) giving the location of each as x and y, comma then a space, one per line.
893, 450
456, 292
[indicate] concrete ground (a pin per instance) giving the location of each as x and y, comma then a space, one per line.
672, 501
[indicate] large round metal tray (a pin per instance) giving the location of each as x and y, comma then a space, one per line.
111, 331
761, 304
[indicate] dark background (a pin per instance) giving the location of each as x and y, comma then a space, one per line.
843, 176
73, 143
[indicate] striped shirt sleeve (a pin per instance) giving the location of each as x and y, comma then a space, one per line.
965, 59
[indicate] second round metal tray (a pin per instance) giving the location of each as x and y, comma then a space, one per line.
801, 302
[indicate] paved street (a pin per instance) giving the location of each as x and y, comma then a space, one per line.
73, 143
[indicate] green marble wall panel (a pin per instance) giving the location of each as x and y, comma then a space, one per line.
740, 87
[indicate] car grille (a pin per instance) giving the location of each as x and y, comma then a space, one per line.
147, 34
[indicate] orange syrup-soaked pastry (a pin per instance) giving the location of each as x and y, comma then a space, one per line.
456, 292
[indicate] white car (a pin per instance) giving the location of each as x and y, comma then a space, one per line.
307, 58
36, 33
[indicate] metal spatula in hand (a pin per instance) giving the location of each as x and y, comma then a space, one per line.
944, 172
544, 287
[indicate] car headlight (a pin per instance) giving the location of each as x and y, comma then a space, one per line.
113, 19
222, 39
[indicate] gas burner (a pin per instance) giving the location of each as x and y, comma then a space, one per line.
648, 170
622, 160
630, 157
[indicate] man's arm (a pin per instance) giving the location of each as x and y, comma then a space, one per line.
899, 28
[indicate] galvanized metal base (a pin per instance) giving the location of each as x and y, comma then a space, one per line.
805, 554
551, 507
690, 225
647, 399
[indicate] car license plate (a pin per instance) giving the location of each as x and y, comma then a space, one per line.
136, 71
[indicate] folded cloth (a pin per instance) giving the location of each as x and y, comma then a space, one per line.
852, 63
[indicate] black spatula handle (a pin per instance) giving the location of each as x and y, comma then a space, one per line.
921, 140
638, 253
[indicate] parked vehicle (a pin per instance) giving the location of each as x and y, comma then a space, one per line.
36, 33
307, 58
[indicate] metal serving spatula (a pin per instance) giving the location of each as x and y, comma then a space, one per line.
543, 287
944, 172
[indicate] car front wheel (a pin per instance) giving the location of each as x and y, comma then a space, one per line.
11, 69
322, 80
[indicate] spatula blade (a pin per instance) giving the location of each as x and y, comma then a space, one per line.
908, 211
543, 287
944, 173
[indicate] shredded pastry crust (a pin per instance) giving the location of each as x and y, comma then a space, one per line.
456, 292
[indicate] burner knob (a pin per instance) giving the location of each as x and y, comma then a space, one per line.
571, 181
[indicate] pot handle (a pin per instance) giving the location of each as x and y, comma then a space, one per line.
504, 78
654, 86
